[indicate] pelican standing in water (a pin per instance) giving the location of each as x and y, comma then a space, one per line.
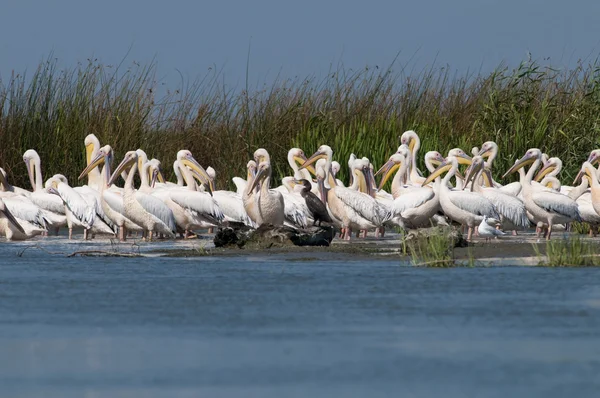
143, 209
269, 205
466, 208
355, 209
545, 207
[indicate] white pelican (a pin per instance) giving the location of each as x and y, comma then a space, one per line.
466, 208
589, 202
413, 141
111, 197
78, 210
51, 205
296, 212
270, 206
489, 150
355, 209
510, 208
416, 206
204, 211
143, 209
29, 217
230, 203
545, 206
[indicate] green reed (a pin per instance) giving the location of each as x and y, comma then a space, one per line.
354, 111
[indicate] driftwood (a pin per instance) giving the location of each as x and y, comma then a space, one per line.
102, 253
268, 236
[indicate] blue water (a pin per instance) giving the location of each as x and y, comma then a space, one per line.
323, 325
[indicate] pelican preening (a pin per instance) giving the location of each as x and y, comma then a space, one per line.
310, 195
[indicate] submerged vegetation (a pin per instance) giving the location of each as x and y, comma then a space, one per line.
361, 111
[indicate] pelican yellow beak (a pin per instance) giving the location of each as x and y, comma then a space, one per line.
261, 175
485, 152
29, 166
524, 161
411, 144
487, 178
322, 191
301, 160
314, 157
387, 169
193, 164
89, 148
442, 168
208, 185
472, 171
464, 159
125, 164
549, 167
93, 163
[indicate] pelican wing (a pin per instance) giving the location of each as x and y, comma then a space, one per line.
512, 189
199, 202
23, 209
555, 202
114, 200
232, 206
411, 199
473, 203
364, 205
295, 211
157, 208
240, 184
80, 208
48, 201
510, 207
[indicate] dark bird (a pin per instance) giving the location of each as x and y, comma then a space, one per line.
317, 208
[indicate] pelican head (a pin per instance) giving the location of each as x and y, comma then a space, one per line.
552, 165
128, 161
261, 155
251, 170
362, 172
488, 149
30, 157
155, 171
530, 156
394, 163
104, 156
186, 159
587, 171
335, 167
212, 175
324, 152
473, 170
449, 163
594, 157
263, 171
411, 139
91, 142
460, 155
4, 210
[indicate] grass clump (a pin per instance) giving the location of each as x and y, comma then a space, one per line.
434, 250
570, 252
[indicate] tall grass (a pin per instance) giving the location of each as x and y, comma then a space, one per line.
361, 111
571, 252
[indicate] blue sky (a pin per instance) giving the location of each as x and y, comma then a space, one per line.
299, 38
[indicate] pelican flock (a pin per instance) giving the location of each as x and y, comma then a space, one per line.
111, 203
